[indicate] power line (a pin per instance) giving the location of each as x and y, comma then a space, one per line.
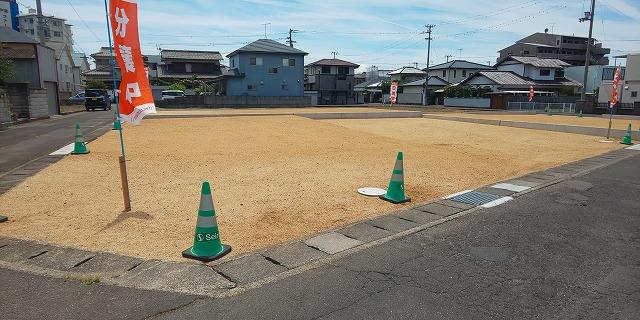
82, 20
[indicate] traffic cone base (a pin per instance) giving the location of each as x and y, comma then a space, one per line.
395, 190
190, 255
394, 201
206, 242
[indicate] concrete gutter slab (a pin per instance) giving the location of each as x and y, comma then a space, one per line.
510, 187
61, 259
249, 268
107, 264
496, 191
438, 209
418, 216
332, 242
455, 204
292, 255
197, 279
365, 232
22, 250
525, 183
392, 223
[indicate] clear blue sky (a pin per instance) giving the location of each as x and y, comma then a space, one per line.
373, 32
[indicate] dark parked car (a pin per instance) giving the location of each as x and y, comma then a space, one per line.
97, 99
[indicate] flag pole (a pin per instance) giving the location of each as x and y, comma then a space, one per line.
122, 160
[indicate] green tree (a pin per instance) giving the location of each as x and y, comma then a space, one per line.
95, 84
177, 86
7, 69
205, 88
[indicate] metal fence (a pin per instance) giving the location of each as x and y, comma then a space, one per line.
558, 107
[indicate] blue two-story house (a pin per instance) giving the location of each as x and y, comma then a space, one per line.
264, 68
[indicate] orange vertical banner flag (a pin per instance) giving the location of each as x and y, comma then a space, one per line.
134, 97
614, 88
393, 92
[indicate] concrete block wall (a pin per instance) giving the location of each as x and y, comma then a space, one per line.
5, 116
38, 103
211, 101
18, 99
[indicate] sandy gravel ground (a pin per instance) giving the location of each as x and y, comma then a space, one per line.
595, 122
274, 178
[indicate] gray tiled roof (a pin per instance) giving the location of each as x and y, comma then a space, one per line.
433, 81
333, 62
12, 36
190, 55
538, 62
506, 78
461, 64
511, 79
407, 70
267, 46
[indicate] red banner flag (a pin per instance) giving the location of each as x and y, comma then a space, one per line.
532, 93
614, 88
393, 96
134, 97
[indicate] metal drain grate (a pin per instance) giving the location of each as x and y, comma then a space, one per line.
475, 197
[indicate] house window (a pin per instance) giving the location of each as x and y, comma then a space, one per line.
634, 94
233, 63
187, 67
68, 86
326, 69
289, 62
251, 87
255, 61
56, 23
273, 70
545, 72
31, 20
343, 70
57, 34
444, 73
464, 73
66, 68
455, 73
285, 87
526, 52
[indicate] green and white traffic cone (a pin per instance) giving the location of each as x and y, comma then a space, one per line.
580, 114
627, 137
80, 146
116, 124
206, 243
395, 190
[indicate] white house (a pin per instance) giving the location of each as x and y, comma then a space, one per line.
457, 70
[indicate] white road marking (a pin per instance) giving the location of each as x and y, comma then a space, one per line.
63, 151
510, 187
456, 194
606, 141
636, 147
496, 202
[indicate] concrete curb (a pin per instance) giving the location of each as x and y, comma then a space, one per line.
591, 131
234, 275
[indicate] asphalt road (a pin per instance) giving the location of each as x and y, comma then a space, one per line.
22, 143
569, 251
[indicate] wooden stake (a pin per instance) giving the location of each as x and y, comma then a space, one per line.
125, 184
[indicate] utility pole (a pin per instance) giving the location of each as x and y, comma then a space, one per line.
460, 53
415, 65
334, 53
448, 56
425, 99
40, 19
290, 38
587, 16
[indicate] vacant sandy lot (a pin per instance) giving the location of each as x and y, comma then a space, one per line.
274, 178
595, 122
